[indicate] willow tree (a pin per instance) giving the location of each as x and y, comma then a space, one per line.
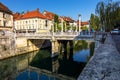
100, 10
108, 13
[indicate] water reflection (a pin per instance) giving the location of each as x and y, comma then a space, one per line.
81, 56
10, 68
66, 66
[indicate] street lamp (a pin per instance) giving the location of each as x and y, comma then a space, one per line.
79, 22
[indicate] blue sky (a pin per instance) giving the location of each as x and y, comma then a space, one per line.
69, 8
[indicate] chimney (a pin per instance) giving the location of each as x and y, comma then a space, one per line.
38, 9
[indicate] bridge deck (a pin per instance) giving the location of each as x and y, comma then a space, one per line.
64, 36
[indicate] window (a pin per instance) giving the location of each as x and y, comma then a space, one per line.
0, 22
4, 22
4, 15
46, 23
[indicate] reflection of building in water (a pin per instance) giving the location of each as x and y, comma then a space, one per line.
9, 68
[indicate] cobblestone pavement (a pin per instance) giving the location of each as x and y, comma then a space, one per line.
116, 39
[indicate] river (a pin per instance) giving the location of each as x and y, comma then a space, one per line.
39, 65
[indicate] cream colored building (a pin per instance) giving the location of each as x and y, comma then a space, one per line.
6, 18
32, 21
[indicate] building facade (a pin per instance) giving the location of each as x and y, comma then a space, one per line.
32, 21
6, 18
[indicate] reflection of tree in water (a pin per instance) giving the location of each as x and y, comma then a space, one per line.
65, 49
92, 46
79, 45
42, 60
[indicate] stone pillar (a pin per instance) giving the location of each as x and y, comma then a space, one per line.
53, 29
76, 29
65, 27
52, 46
62, 26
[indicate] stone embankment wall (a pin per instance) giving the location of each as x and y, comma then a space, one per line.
11, 47
105, 63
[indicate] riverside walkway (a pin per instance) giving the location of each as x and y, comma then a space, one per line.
105, 63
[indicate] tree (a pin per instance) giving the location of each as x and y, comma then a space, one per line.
100, 11
108, 13
84, 28
94, 22
56, 21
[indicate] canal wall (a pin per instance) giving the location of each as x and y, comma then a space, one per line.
105, 63
10, 46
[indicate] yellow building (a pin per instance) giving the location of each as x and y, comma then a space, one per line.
6, 18
32, 21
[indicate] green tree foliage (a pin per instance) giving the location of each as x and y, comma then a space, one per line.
94, 22
79, 45
56, 20
109, 14
84, 28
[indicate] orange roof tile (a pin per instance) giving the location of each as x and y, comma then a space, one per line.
83, 23
33, 14
67, 19
17, 16
49, 15
30, 14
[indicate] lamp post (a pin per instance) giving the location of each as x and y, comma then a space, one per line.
79, 22
89, 27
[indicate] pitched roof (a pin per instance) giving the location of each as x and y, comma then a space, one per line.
67, 19
33, 14
83, 23
49, 15
4, 8
30, 14
17, 16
